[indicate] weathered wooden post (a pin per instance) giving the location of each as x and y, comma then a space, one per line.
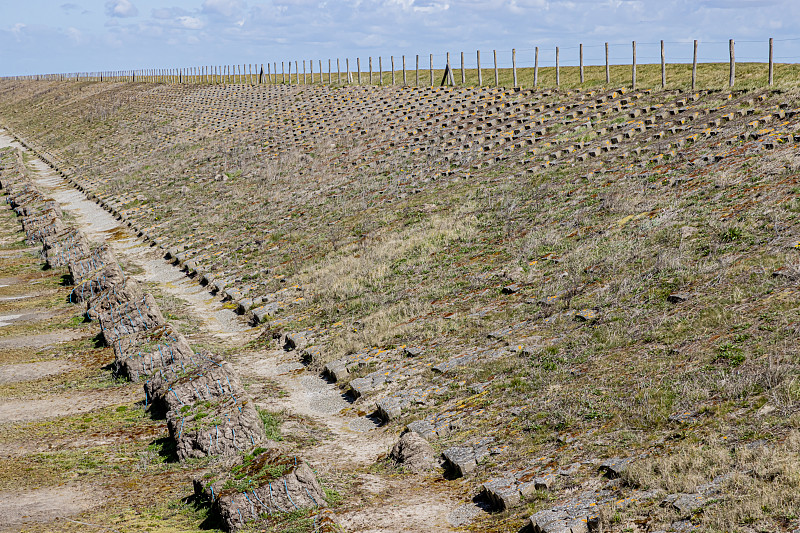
380, 71
536, 67
580, 53
347, 67
496, 73
338, 71
480, 74
393, 81
405, 80
558, 70
608, 69
633, 67
431, 69
733, 64
663, 67
283, 73
370, 70
417, 72
514, 65
297, 72
463, 72
694, 65
330, 73
358, 67
770, 61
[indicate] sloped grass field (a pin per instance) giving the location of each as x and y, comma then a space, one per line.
579, 274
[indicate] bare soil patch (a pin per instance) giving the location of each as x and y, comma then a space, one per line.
46, 505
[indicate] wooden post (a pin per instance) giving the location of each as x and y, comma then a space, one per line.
449, 71
358, 67
297, 72
417, 73
283, 73
536, 67
558, 70
405, 80
733, 64
580, 53
393, 81
338, 71
663, 67
496, 73
694, 65
311, 70
608, 69
370, 70
321, 81
633, 67
514, 64
380, 71
431, 69
770, 61
480, 74
347, 66
463, 72
330, 72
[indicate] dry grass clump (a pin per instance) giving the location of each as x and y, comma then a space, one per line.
758, 485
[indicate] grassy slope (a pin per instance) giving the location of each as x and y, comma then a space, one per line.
394, 245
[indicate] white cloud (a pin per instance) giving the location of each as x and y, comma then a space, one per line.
121, 8
75, 35
17, 28
191, 23
223, 8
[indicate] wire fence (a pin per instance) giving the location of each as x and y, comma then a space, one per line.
572, 65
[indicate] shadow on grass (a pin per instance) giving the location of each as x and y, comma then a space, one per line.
165, 448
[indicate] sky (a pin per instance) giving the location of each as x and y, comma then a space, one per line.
44, 36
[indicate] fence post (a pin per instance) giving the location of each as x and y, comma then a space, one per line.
770, 61
733, 63
558, 71
694, 65
283, 73
431, 69
608, 69
480, 74
663, 67
380, 71
405, 80
358, 67
514, 64
633, 67
496, 74
330, 71
370, 70
311, 69
338, 71
321, 81
580, 53
393, 82
417, 80
536, 67
463, 72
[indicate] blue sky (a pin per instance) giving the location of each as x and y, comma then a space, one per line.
68, 35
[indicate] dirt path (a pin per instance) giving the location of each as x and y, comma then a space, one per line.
45, 505
387, 503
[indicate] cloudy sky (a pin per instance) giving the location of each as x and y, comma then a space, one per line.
64, 36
